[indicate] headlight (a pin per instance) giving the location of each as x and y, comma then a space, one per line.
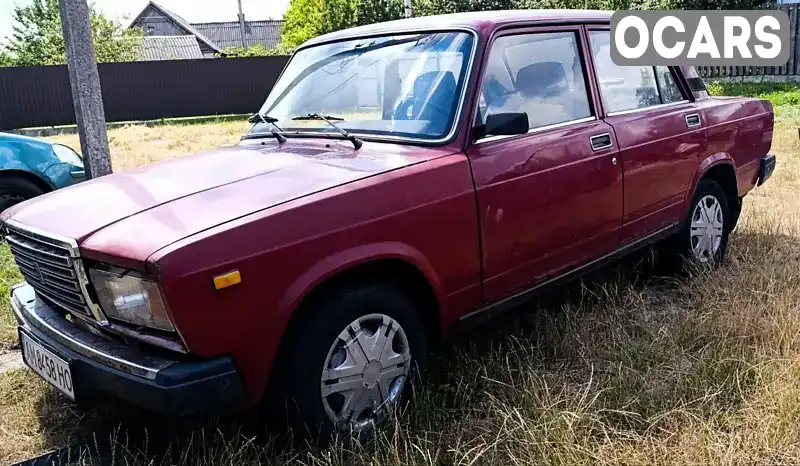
67, 155
131, 299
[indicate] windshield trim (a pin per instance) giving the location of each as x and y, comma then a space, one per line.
461, 99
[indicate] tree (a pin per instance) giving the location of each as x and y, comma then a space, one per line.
38, 37
306, 19
377, 11
5, 59
438, 7
301, 22
337, 15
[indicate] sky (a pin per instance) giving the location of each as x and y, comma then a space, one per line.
194, 11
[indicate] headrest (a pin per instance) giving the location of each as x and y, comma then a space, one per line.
425, 82
543, 79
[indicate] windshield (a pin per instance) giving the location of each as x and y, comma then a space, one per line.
403, 85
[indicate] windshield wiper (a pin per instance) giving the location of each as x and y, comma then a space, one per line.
357, 143
258, 117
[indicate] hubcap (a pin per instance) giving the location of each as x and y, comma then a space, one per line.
365, 371
707, 228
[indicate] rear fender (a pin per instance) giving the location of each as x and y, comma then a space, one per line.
713, 160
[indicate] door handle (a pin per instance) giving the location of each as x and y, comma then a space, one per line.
692, 120
601, 141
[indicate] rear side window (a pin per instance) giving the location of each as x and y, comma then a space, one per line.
630, 87
540, 74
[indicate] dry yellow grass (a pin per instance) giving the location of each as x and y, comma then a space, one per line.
625, 370
136, 145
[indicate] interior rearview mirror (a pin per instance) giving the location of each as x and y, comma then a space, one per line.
503, 124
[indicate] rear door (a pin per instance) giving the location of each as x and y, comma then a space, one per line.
660, 133
551, 198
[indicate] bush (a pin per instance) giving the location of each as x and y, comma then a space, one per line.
257, 50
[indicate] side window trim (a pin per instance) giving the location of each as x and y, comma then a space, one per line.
589, 30
650, 107
582, 47
540, 129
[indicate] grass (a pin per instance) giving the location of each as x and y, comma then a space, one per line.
9, 276
778, 93
136, 145
626, 369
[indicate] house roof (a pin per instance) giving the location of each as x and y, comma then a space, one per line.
228, 34
180, 22
169, 48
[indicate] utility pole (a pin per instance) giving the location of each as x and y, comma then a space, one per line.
85, 83
241, 25
409, 12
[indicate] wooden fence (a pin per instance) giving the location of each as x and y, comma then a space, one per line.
792, 67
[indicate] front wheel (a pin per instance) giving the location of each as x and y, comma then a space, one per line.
14, 190
704, 236
351, 360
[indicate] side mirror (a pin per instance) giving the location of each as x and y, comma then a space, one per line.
503, 124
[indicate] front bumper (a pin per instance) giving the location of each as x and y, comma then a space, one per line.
100, 364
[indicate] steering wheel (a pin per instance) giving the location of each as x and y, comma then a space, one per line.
401, 112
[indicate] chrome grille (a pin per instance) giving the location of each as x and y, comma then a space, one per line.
49, 267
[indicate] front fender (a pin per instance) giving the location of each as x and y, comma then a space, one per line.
61, 175
347, 259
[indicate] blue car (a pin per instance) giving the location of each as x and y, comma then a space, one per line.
30, 167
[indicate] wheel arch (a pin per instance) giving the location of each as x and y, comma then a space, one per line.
393, 263
37, 180
722, 169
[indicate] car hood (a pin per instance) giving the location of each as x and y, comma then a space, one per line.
133, 214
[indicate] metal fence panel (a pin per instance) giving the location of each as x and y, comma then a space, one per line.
791, 68
40, 95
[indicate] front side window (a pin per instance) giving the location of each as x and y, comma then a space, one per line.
630, 87
399, 85
539, 74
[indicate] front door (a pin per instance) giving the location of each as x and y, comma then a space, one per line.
550, 199
661, 138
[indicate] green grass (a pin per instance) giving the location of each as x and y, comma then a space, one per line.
9, 276
778, 93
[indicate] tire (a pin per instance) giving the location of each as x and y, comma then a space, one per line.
317, 345
14, 190
702, 248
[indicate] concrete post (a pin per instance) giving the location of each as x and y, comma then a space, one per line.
408, 12
241, 25
85, 83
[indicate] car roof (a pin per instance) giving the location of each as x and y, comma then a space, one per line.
479, 21
9, 137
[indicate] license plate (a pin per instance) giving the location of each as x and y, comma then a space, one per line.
52, 368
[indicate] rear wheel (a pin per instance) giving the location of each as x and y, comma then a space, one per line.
14, 190
704, 236
351, 361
